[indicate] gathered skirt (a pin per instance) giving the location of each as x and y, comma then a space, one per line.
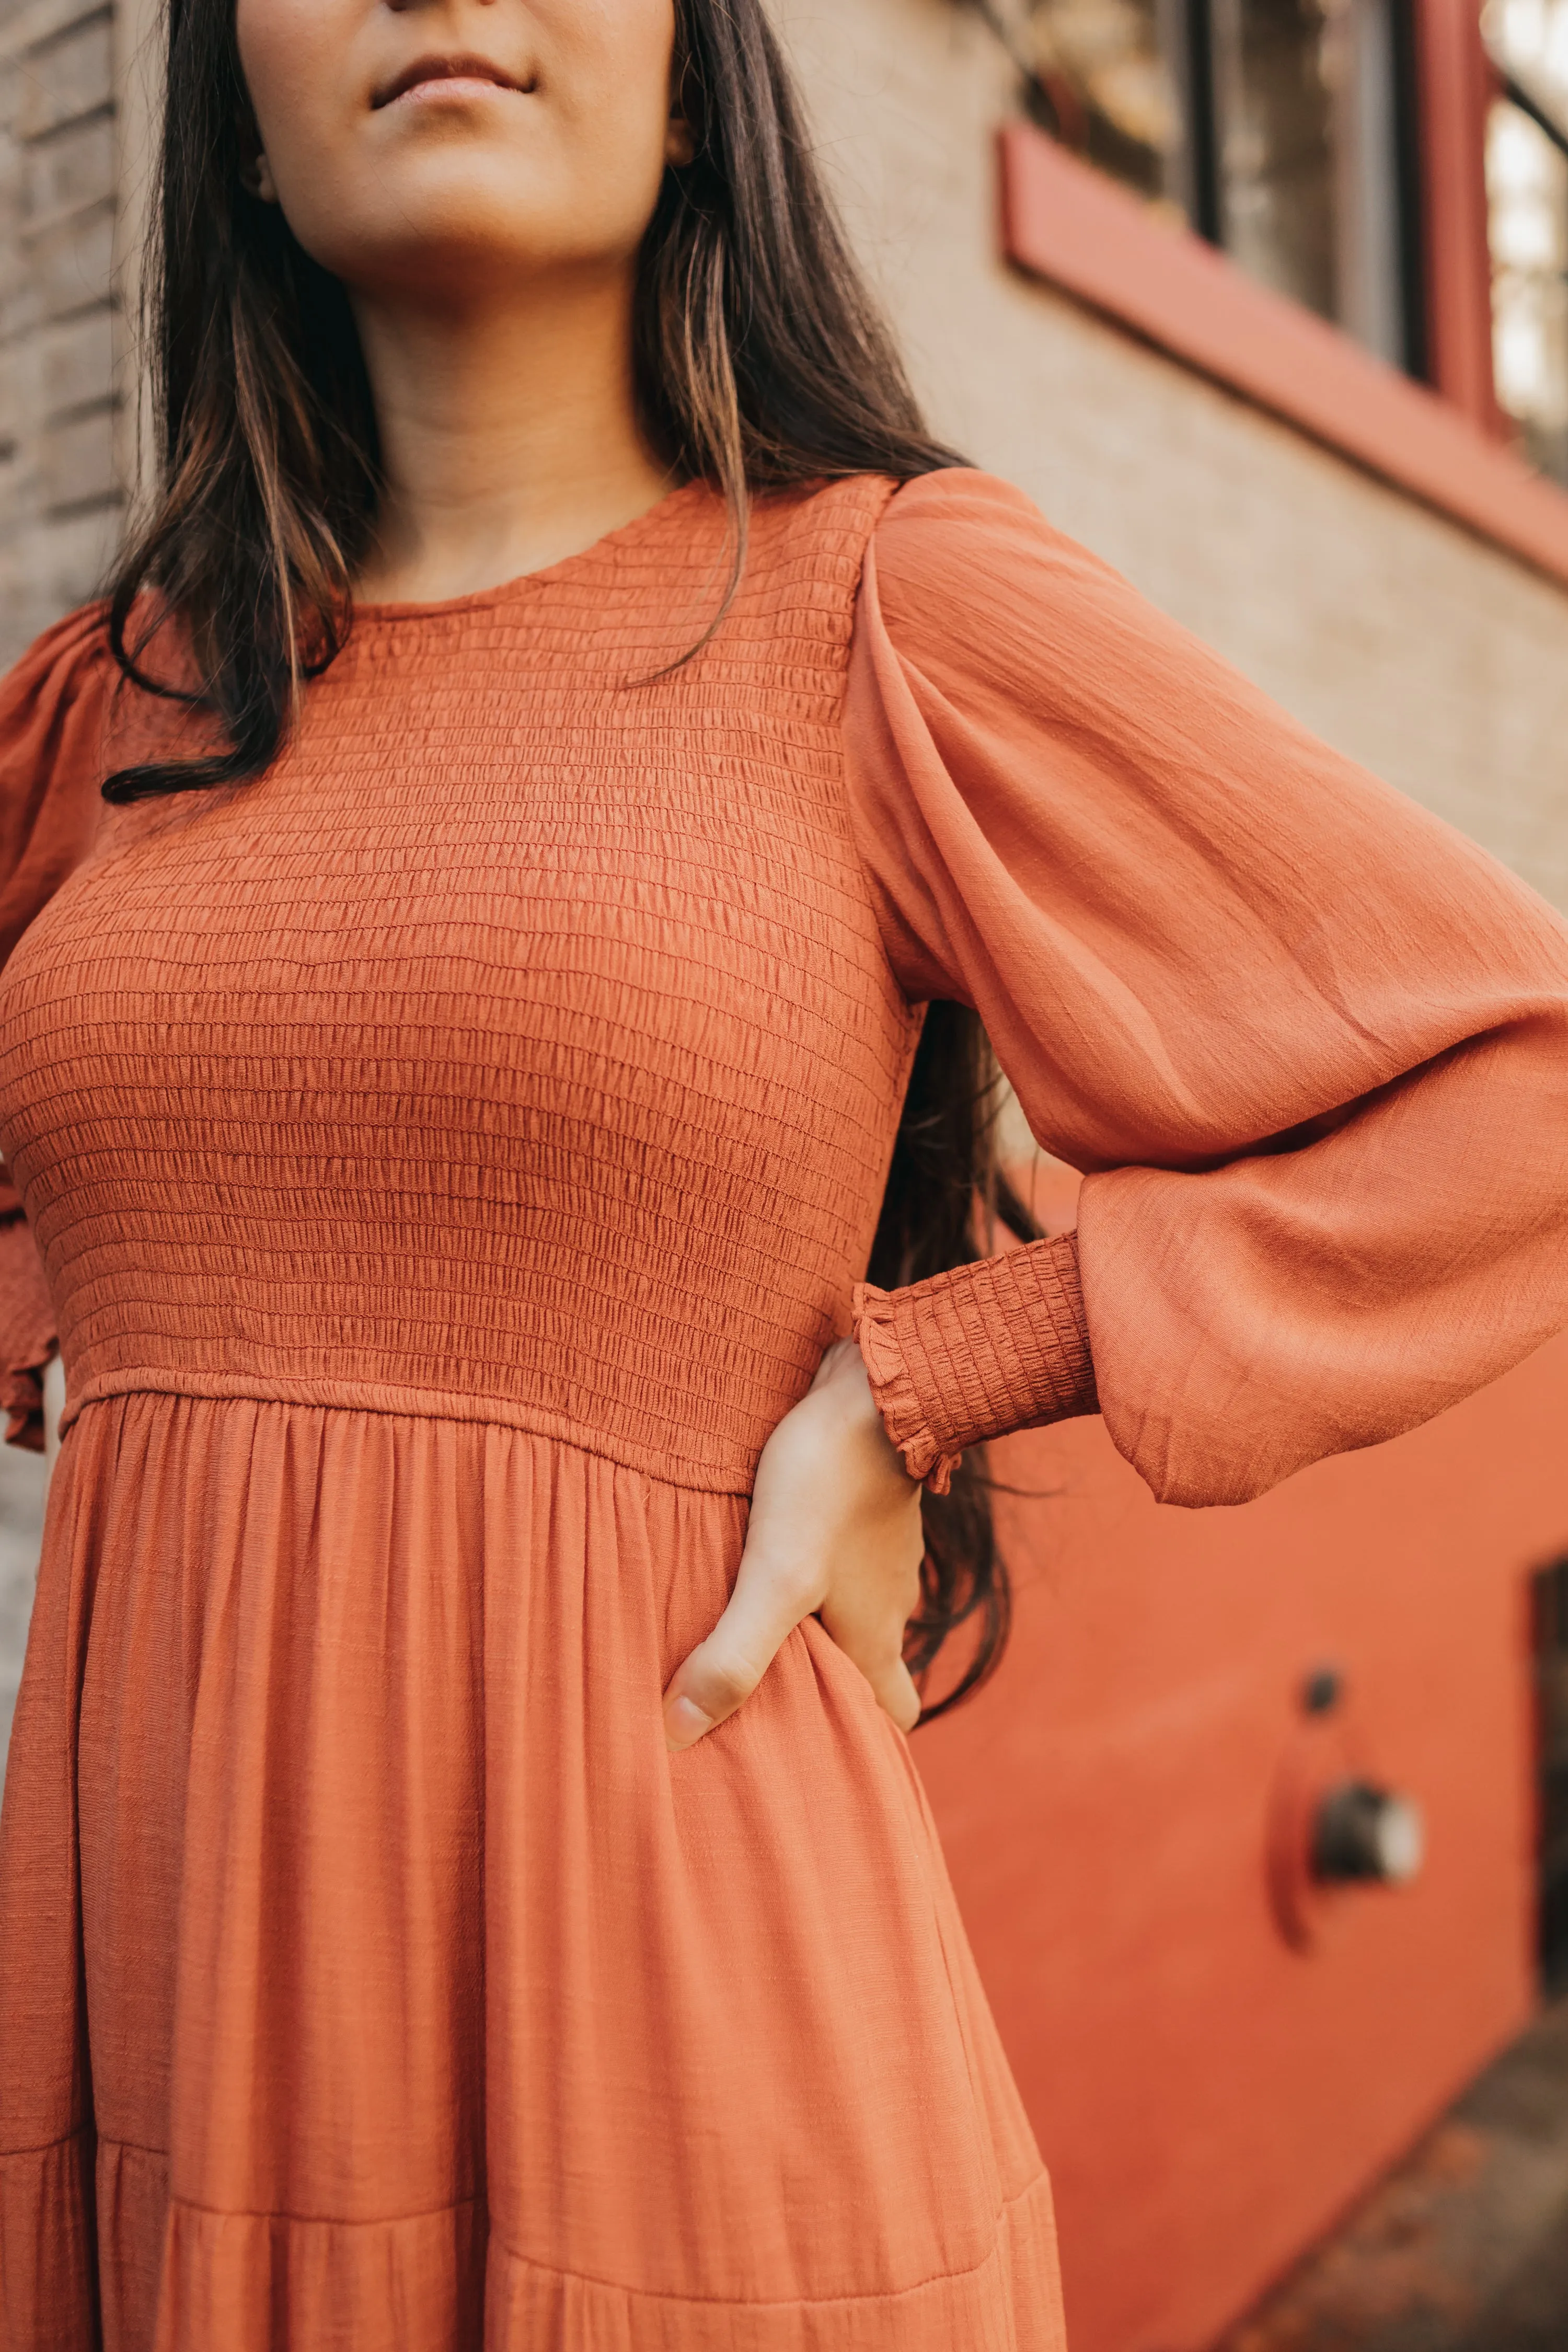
373, 1977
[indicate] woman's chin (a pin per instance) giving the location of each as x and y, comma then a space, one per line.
461, 238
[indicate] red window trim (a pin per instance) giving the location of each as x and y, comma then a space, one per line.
1455, 88
1068, 223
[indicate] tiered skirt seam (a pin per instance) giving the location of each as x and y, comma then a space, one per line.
779, 2303
409, 1404
587, 2278
43, 2147
531, 2262
308, 2221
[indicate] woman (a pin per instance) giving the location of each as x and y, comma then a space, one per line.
463, 1880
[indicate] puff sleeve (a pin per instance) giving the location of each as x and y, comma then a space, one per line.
1311, 1044
53, 712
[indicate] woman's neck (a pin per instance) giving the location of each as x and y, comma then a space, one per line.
509, 438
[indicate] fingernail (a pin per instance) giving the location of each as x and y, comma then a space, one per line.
684, 1724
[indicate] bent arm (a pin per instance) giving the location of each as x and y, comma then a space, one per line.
1310, 1044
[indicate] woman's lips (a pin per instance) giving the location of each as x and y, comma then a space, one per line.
463, 77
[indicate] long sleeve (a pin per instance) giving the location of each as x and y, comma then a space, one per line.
53, 712
1310, 1044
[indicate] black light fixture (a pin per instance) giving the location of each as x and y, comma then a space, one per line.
1367, 1835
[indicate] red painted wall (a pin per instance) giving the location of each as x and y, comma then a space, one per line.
1207, 2095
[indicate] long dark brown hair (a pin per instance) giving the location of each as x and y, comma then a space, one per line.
761, 364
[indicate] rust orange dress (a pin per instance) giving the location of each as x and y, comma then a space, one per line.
449, 1156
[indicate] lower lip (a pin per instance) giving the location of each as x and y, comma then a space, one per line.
460, 87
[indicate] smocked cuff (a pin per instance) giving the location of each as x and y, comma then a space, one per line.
27, 1341
976, 1353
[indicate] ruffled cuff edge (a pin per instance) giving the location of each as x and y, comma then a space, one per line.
893, 1389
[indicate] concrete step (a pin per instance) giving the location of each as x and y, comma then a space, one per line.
1464, 2247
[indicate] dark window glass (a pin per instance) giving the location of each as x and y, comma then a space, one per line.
1105, 73
1273, 75
1280, 128
1307, 98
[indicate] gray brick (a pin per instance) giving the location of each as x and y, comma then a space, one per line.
68, 174
25, 24
76, 461
61, 269
65, 78
60, 513
14, 392
75, 360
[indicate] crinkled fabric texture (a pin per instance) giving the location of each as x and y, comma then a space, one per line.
431, 2002
1310, 1044
448, 1158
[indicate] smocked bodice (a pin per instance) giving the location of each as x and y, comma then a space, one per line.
522, 1046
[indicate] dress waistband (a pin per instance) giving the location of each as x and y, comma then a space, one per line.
408, 1404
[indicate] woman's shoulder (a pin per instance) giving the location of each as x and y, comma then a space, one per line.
70, 713
69, 659
960, 520
54, 707
965, 573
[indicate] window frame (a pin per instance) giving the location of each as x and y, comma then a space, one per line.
1444, 442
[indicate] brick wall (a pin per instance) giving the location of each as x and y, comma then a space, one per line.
59, 490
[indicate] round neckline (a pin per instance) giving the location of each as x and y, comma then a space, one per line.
479, 600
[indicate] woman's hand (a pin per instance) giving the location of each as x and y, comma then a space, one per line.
834, 1527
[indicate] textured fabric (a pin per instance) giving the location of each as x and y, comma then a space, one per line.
1311, 1044
560, 999
52, 714
416, 1970
988, 1349
451, 1156
26, 1324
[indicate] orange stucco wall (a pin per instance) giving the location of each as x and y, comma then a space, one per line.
1122, 1810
